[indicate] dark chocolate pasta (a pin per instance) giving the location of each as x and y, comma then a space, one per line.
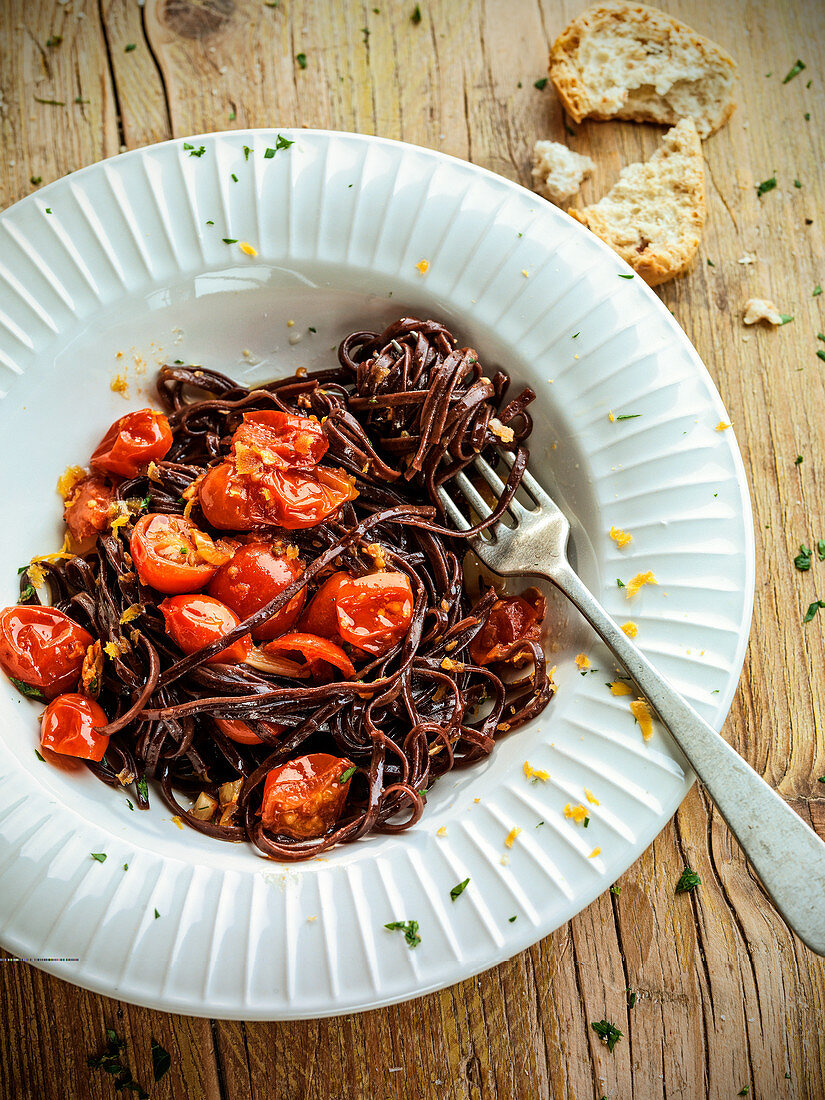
403, 411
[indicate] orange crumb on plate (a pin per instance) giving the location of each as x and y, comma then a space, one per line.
535, 773
630, 628
510, 839
621, 538
641, 712
591, 797
577, 813
582, 662
722, 426
638, 581
422, 266
620, 688
594, 853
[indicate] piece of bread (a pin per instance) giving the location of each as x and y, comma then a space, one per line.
761, 309
558, 171
624, 60
653, 215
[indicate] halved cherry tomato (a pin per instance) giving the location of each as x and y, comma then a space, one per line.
196, 621
87, 508
321, 615
242, 495
68, 727
254, 576
132, 442
512, 621
172, 555
281, 439
242, 733
318, 653
374, 612
304, 797
42, 647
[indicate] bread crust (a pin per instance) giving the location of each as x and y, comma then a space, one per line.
680, 200
649, 24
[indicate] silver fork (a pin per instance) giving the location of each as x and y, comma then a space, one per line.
787, 855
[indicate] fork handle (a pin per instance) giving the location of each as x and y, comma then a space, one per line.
787, 855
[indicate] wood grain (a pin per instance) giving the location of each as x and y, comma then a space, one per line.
725, 996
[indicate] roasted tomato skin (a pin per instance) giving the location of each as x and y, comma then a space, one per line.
512, 621
232, 500
132, 442
42, 647
87, 509
196, 621
304, 797
290, 442
321, 614
374, 612
256, 574
242, 733
157, 546
68, 727
321, 656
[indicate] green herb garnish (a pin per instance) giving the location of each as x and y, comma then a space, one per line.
161, 1060
784, 318
798, 460
820, 354
246, 152
53, 41
409, 928
459, 889
143, 787
623, 276
795, 70
631, 999
416, 15
229, 240
129, 804
346, 775
131, 46
812, 610
614, 889
35, 180
512, 919
586, 822
50, 102
28, 690
301, 58
765, 186
619, 584
802, 561
27, 593
817, 291
234, 178
688, 880
820, 549
99, 856
39, 757
711, 263
608, 1033
628, 416
157, 914
540, 84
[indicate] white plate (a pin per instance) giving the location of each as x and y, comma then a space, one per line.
116, 268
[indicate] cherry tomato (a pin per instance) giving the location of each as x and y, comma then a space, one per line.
321, 615
281, 439
132, 442
42, 647
242, 733
254, 576
196, 621
304, 797
512, 621
374, 612
87, 508
68, 727
172, 555
239, 495
318, 653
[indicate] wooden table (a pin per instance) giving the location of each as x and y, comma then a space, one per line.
727, 999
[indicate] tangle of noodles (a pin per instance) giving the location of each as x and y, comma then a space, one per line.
403, 412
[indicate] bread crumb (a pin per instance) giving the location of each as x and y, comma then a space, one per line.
630, 629
637, 582
621, 538
558, 172
748, 258
761, 309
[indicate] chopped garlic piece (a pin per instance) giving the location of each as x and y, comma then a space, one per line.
621, 538
638, 581
641, 712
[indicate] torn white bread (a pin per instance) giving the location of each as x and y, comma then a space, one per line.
558, 172
624, 60
761, 309
653, 216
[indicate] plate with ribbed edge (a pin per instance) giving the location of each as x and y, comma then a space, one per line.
136, 261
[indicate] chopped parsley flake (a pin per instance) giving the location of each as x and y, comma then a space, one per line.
802, 561
232, 116
50, 102
26, 594
622, 275
459, 889
131, 46
192, 151
711, 263
161, 1060
631, 999
512, 919
301, 58
820, 549
311, 329
366, 33
795, 70
688, 880
807, 117
99, 856
246, 152
110, 1062
586, 822
346, 775
614, 889
812, 610
797, 183
416, 14
608, 1033
39, 757
129, 804
628, 416
28, 689
125, 866
817, 291
820, 354
143, 787
35, 180
229, 240
765, 186
157, 914
619, 584
48, 210
234, 178
744, 1091
784, 318
540, 84
210, 223
410, 930
53, 41
798, 460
